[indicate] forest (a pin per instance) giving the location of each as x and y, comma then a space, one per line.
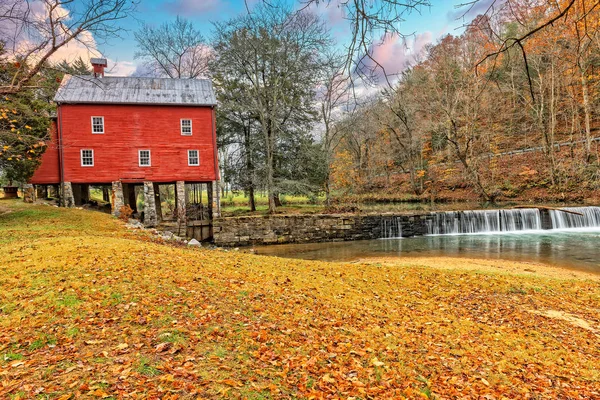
479, 116
503, 109
466, 121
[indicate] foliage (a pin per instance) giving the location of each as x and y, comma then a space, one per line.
267, 68
90, 309
125, 212
24, 123
455, 118
76, 67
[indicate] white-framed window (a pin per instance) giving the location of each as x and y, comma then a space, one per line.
97, 124
144, 158
87, 158
193, 158
186, 127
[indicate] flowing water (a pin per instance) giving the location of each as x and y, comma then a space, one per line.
573, 241
484, 221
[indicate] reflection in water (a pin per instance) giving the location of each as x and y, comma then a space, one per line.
580, 250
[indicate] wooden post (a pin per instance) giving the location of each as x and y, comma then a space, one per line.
106, 193
157, 201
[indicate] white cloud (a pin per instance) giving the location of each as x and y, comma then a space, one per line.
394, 54
120, 68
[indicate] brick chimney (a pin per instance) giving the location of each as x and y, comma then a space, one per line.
99, 64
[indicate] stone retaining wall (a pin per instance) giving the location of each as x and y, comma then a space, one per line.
244, 231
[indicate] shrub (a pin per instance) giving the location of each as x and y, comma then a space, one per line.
125, 212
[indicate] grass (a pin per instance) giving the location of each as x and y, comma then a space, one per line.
92, 310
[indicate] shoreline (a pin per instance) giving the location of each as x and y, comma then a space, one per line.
521, 268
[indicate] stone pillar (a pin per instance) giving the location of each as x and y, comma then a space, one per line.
157, 202
181, 206
150, 218
117, 201
216, 200
28, 193
67, 199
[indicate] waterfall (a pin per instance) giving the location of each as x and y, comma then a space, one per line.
484, 221
590, 218
492, 221
391, 227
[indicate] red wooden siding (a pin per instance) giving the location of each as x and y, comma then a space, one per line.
49, 172
130, 128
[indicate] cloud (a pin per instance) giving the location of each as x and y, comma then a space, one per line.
191, 7
332, 12
121, 68
394, 54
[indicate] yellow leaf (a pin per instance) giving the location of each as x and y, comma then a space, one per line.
377, 363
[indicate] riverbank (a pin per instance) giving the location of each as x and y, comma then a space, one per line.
89, 308
509, 267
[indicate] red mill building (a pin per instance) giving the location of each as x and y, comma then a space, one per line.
127, 132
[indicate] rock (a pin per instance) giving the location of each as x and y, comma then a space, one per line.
134, 224
194, 243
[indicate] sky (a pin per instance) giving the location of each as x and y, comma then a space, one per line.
394, 54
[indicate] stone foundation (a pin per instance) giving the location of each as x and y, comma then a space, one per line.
244, 231
116, 200
274, 229
67, 198
150, 218
215, 199
28, 193
181, 207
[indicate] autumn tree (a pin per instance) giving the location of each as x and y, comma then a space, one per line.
334, 98
24, 123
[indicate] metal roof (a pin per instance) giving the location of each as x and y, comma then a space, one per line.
85, 89
98, 61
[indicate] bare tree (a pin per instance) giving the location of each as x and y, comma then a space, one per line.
335, 90
368, 21
34, 31
174, 49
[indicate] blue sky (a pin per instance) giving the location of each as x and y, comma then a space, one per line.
427, 26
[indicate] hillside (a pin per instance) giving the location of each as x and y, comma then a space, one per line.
89, 309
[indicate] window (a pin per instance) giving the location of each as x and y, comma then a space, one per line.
97, 124
87, 158
193, 158
186, 127
144, 157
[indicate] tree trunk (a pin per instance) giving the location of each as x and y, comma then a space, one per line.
587, 112
251, 199
249, 170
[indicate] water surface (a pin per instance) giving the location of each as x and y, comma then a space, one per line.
577, 249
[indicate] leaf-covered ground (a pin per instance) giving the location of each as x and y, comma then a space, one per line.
91, 310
